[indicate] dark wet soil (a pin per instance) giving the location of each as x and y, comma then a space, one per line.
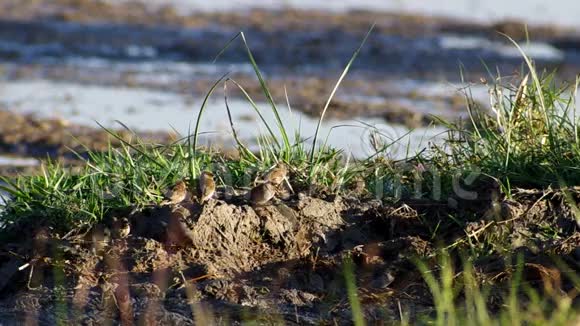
284, 262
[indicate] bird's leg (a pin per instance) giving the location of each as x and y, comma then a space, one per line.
289, 185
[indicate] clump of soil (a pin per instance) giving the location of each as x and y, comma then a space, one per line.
232, 239
228, 260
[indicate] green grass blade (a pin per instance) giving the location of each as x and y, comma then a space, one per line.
193, 148
350, 281
110, 132
242, 147
267, 93
255, 107
344, 72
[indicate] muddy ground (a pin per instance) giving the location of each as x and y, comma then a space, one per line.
29, 136
230, 262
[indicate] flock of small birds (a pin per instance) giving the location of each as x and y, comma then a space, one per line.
259, 195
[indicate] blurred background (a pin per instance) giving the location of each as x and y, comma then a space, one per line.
66, 65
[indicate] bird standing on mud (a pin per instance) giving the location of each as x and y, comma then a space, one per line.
121, 228
206, 186
277, 175
176, 194
262, 193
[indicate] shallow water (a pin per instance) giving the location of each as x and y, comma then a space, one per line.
73, 72
167, 58
146, 110
17, 161
83, 45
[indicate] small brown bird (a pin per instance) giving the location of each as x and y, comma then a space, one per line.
206, 186
100, 236
176, 194
277, 175
121, 228
262, 193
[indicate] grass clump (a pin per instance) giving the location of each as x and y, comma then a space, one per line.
134, 176
137, 174
530, 139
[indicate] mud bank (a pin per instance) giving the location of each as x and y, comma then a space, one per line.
28, 136
230, 262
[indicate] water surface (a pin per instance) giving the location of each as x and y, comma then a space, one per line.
147, 110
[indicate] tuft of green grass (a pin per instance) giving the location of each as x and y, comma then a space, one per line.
135, 175
529, 139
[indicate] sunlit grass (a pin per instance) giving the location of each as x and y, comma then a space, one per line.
531, 137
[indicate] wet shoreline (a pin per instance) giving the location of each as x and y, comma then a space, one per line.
280, 50
411, 70
25, 138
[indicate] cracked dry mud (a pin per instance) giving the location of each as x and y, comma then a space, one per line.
229, 262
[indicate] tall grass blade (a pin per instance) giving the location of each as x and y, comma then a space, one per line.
242, 147
255, 107
268, 95
350, 281
193, 148
344, 72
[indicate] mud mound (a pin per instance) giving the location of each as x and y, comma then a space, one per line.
228, 239
283, 262
533, 219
